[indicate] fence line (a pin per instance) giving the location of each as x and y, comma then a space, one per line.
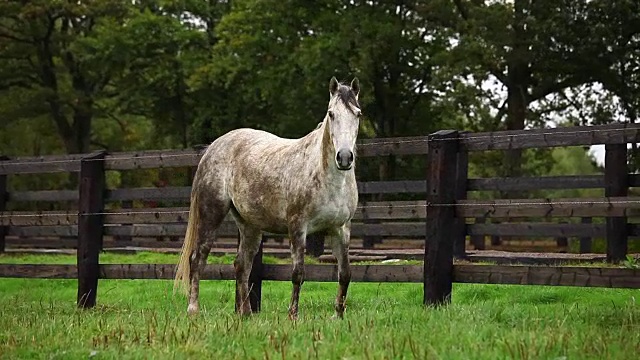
425, 139
443, 230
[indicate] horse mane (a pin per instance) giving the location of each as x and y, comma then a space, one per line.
347, 96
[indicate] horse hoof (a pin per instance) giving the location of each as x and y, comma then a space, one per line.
337, 316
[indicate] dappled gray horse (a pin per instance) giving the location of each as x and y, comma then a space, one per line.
284, 186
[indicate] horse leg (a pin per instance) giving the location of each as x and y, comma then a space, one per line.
211, 214
197, 262
298, 239
340, 246
250, 238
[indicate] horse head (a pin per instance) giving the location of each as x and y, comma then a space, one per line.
343, 120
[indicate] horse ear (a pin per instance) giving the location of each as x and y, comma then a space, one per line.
333, 85
355, 86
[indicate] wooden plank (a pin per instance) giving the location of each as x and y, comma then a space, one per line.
441, 193
90, 227
143, 230
41, 164
277, 272
44, 195
542, 138
150, 194
564, 207
38, 271
399, 229
536, 183
158, 271
413, 145
41, 243
416, 145
391, 210
34, 231
536, 229
38, 218
384, 210
228, 228
152, 159
548, 275
392, 187
616, 184
149, 216
479, 274
184, 192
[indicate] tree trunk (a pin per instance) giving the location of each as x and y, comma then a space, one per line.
517, 96
518, 84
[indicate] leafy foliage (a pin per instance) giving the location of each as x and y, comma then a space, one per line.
145, 74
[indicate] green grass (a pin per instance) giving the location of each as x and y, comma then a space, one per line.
138, 319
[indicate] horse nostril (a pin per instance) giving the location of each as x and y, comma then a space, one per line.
344, 158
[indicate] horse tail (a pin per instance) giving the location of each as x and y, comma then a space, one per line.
188, 247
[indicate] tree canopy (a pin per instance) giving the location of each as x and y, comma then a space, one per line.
81, 75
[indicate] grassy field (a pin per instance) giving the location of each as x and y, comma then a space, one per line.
140, 319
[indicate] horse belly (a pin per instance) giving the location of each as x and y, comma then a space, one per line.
261, 212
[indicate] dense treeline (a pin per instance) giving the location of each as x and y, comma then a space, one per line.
121, 75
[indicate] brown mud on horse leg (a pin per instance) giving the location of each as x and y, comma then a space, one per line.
250, 238
340, 246
298, 242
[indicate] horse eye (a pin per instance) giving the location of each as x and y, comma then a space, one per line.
331, 114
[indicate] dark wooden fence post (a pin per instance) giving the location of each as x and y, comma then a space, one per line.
441, 219
255, 280
90, 227
4, 197
460, 234
562, 241
126, 204
585, 242
315, 244
616, 179
478, 240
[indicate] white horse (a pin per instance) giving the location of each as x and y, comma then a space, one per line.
285, 186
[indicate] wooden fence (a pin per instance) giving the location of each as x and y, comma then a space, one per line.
446, 187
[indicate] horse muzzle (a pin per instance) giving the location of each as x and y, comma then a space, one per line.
344, 159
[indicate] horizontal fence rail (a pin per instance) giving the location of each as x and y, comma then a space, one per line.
417, 145
478, 274
178, 193
542, 138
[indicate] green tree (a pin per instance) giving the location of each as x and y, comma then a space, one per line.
47, 51
274, 58
539, 52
